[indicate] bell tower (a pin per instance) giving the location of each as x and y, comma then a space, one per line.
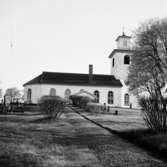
120, 57
123, 41
120, 61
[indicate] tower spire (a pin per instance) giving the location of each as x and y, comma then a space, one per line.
123, 31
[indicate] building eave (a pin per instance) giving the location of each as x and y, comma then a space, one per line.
120, 51
65, 84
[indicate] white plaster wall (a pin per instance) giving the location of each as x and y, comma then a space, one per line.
120, 70
44, 89
120, 43
36, 92
133, 99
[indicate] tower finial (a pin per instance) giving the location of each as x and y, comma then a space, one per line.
123, 31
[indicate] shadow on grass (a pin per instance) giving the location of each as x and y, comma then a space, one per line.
147, 139
11, 119
18, 119
14, 159
44, 119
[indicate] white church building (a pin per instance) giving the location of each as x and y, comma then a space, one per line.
109, 89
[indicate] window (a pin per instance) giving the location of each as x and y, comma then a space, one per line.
52, 92
67, 93
29, 94
113, 62
126, 59
110, 97
126, 99
97, 94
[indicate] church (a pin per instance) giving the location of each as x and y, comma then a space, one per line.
110, 89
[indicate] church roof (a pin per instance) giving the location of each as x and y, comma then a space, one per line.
75, 79
120, 51
122, 36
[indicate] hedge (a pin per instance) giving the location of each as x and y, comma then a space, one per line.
52, 106
80, 101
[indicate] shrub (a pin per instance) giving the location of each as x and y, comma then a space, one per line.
154, 113
94, 108
52, 106
80, 101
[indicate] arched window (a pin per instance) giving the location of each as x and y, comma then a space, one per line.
126, 99
29, 95
52, 92
126, 59
67, 93
97, 94
110, 97
113, 62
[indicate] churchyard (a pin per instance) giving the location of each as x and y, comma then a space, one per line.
29, 139
119, 119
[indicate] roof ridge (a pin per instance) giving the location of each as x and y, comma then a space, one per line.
44, 72
74, 79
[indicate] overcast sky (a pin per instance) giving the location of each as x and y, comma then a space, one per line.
65, 35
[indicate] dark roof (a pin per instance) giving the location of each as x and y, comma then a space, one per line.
122, 36
120, 51
75, 79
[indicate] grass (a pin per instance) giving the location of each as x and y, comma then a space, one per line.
24, 141
30, 140
130, 125
127, 119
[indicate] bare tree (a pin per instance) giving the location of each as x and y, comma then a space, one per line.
13, 93
148, 69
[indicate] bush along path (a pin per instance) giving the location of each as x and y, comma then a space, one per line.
118, 151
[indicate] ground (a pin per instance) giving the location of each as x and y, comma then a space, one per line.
127, 119
72, 141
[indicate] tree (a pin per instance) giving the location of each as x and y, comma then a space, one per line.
13, 93
148, 69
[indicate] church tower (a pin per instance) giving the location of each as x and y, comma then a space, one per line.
120, 57
120, 61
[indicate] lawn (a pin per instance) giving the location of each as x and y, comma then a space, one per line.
26, 141
129, 124
127, 119
31, 141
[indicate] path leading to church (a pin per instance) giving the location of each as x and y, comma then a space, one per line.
106, 149
71, 141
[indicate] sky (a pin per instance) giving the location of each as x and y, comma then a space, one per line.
65, 35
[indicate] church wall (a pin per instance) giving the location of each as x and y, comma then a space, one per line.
44, 89
36, 92
133, 99
60, 91
121, 43
120, 70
